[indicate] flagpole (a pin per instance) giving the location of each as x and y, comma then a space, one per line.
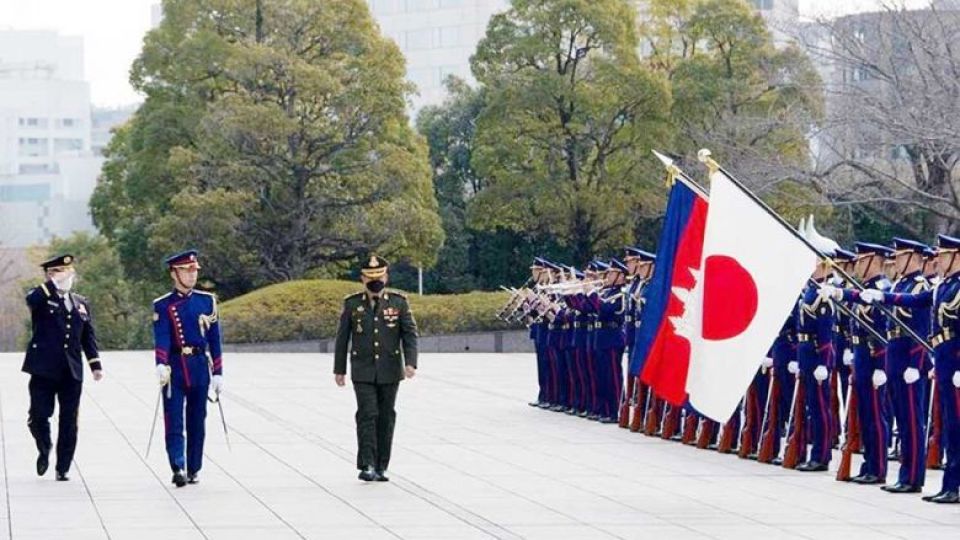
704, 157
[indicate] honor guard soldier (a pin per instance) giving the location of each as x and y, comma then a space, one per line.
944, 302
378, 333
185, 327
908, 366
62, 328
869, 360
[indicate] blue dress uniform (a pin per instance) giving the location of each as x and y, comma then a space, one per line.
62, 329
815, 353
903, 354
944, 301
609, 344
633, 307
583, 355
842, 331
869, 357
185, 327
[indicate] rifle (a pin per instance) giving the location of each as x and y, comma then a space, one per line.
934, 429
797, 422
652, 420
690, 422
624, 416
851, 435
770, 427
671, 422
749, 421
706, 433
727, 435
643, 396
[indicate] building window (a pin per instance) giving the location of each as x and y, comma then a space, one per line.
33, 122
450, 36
25, 193
68, 122
31, 147
764, 5
38, 168
67, 145
451, 3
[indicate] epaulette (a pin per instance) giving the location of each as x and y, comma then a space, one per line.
919, 277
397, 293
207, 293
351, 295
155, 300
46, 291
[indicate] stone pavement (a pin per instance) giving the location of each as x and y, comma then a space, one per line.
471, 460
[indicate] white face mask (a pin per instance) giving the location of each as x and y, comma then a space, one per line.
66, 283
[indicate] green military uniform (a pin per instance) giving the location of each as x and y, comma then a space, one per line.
379, 335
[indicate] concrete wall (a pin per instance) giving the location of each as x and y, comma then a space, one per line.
485, 342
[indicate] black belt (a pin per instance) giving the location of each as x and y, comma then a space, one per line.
189, 350
608, 325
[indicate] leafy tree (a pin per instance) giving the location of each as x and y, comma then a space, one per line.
563, 143
273, 138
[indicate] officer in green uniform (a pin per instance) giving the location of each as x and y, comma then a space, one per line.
379, 334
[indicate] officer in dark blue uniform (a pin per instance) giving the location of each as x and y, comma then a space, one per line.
186, 326
869, 361
908, 366
944, 303
62, 327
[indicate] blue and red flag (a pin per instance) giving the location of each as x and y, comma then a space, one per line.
660, 357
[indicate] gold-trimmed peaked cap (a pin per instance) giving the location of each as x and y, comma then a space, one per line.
61, 261
184, 259
374, 267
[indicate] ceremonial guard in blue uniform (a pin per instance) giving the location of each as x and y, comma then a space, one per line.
61, 325
908, 366
816, 361
608, 306
186, 327
639, 270
943, 300
378, 334
538, 329
869, 361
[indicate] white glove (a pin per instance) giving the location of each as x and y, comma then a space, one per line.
829, 292
767, 363
879, 378
870, 296
847, 357
217, 383
793, 367
820, 374
163, 374
911, 375
835, 280
956, 379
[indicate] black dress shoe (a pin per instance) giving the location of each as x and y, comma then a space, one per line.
901, 488
593, 417
950, 497
929, 498
368, 475
571, 411
193, 478
812, 466
608, 420
752, 456
543, 405
382, 476
62, 476
179, 479
557, 408
776, 462
534, 404
43, 462
582, 414
866, 479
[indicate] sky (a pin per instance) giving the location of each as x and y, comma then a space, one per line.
113, 33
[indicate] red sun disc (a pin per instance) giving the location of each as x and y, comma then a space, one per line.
729, 298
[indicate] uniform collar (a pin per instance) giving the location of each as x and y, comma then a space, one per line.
179, 294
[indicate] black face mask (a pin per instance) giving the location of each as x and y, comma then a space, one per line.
375, 286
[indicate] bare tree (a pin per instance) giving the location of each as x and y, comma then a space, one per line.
891, 138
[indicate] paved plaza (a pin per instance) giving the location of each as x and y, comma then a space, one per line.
471, 460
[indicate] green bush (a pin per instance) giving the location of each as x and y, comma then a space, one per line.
310, 309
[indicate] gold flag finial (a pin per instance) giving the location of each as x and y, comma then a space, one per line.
704, 156
673, 172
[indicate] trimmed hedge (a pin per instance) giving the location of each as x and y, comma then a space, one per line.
310, 309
